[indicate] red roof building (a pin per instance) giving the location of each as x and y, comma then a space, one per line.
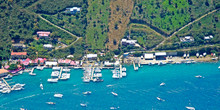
18, 55
43, 34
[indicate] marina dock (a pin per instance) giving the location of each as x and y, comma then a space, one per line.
92, 71
32, 70
6, 83
120, 70
135, 68
61, 70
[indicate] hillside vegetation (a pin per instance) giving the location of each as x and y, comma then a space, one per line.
145, 36
169, 15
209, 25
121, 11
54, 6
97, 23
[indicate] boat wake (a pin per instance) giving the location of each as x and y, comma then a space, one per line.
19, 99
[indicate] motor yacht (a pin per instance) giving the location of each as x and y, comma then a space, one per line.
66, 70
86, 79
124, 69
51, 80
55, 74
65, 76
8, 76
87, 92
97, 74
51, 103
56, 68
158, 98
162, 84
198, 76
83, 105
190, 108
124, 74
97, 70
41, 86
58, 95
40, 67
115, 94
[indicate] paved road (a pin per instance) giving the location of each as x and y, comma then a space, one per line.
190, 23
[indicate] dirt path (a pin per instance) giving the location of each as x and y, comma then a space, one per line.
190, 23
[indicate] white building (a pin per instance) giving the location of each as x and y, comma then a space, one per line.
73, 10
91, 56
187, 39
148, 56
48, 46
128, 42
208, 37
51, 63
160, 55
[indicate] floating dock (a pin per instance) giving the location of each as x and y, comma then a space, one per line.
120, 70
6, 83
92, 73
61, 70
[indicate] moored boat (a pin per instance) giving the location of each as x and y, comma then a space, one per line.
41, 86
83, 105
115, 94
52, 80
162, 84
51, 103
58, 95
87, 92
190, 108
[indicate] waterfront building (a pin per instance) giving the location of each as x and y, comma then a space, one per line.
18, 55
148, 56
51, 63
160, 55
18, 45
91, 56
3, 72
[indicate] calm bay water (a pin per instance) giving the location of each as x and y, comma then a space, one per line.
137, 91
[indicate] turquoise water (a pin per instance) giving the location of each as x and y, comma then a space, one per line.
137, 91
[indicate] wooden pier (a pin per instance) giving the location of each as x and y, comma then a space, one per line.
93, 68
7, 84
120, 70
61, 70
32, 70
135, 68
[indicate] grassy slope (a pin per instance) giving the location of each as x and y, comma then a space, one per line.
97, 23
209, 25
145, 36
169, 16
120, 17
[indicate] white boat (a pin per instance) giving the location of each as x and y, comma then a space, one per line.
86, 79
51, 80
109, 85
20, 72
197, 55
97, 75
56, 68
58, 95
199, 76
136, 68
18, 87
83, 105
115, 94
113, 108
190, 108
124, 74
162, 63
116, 76
51, 103
65, 76
66, 70
55, 74
124, 69
158, 98
97, 70
40, 67
219, 67
87, 92
5, 90
32, 74
8, 76
162, 84
22, 109
2, 85
41, 86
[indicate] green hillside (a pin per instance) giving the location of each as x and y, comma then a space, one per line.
169, 15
